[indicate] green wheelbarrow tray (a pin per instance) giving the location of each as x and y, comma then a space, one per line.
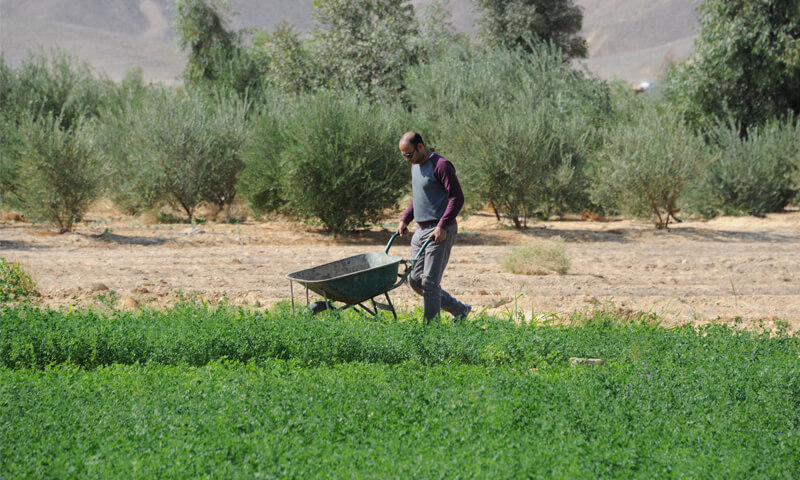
355, 280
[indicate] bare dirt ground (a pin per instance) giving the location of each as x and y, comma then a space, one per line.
744, 270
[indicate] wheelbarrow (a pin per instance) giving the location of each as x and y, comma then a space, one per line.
355, 280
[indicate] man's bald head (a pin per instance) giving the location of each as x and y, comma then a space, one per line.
413, 148
411, 138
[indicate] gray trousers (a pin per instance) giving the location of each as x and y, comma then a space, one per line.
426, 276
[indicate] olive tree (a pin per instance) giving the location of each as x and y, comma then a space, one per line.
58, 171
518, 126
517, 23
182, 149
340, 161
56, 85
745, 65
365, 45
754, 175
647, 164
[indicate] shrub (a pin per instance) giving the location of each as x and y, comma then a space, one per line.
521, 161
539, 258
341, 160
751, 175
60, 86
647, 164
519, 126
261, 181
181, 149
229, 132
365, 45
58, 171
9, 136
9, 162
122, 179
15, 284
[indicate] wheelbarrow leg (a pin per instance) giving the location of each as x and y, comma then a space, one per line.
389, 301
373, 312
384, 306
291, 289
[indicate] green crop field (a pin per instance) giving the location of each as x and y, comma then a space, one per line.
224, 392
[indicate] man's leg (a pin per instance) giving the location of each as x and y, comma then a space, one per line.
415, 277
426, 276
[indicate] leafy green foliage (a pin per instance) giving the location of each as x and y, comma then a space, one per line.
123, 180
262, 180
201, 26
218, 57
437, 35
365, 45
182, 149
647, 164
9, 136
517, 23
753, 175
203, 391
340, 161
58, 171
518, 126
10, 144
15, 284
292, 66
59, 86
745, 64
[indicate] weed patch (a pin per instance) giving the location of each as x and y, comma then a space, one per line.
539, 258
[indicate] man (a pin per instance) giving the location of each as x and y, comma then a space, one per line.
436, 201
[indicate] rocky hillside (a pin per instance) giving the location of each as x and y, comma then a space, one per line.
628, 39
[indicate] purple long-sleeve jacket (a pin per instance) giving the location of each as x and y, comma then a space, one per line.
437, 195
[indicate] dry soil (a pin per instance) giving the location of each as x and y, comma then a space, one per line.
744, 270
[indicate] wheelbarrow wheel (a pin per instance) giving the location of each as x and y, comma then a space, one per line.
318, 307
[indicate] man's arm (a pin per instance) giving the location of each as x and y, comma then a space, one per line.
445, 172
406, 220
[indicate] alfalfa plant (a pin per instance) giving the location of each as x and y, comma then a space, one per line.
541, 257
15, 284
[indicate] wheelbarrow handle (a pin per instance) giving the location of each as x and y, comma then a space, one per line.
409, 264
391, 240
427, 241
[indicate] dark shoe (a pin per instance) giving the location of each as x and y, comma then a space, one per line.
463, 315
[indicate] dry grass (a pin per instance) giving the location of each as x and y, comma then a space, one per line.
542, 257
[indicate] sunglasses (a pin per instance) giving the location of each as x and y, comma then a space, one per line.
409, 155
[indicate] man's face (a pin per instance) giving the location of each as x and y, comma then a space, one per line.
410, 152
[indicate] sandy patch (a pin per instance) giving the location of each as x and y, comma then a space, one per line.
698, 271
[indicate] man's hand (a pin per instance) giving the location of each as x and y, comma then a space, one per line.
439, 234
402, 229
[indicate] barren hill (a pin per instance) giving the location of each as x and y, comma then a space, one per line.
628, 39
